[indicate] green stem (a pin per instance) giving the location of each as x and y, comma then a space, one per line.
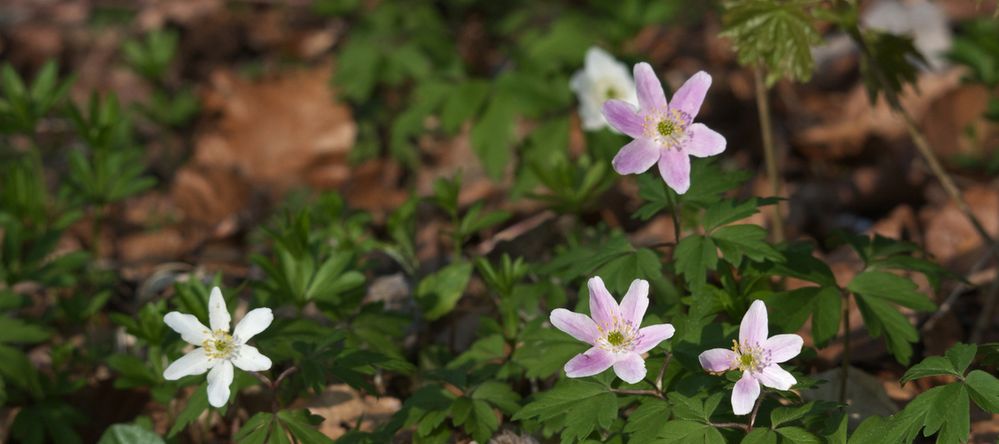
675, 213
769, 151
845, 372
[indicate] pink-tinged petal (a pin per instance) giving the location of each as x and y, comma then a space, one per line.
651, 336
189, 327
630, 368
753, 329
744, 395
577, 325
219, 380
637, 156
635, 302
775, 377
589, 363
674, 165
218, 314
718, 360
603, 307
650, 90
622, 116
783, 347
704, 141
691, 94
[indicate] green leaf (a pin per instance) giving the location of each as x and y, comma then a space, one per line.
883, 319
798, 435
647, 421
984, 389
686, 431
17, 370
736, 241
583, 405
760, 436
463, 103
196, 405
492, 136
695, 255
780, 34
20, 332
961, 356
129, 434
727, 211
256, 429
545, 350
438, 293
298, 423
949, 415
931, 366
891, 287
498, 394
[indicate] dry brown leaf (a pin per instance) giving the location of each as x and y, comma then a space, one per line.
949, 233
342, 406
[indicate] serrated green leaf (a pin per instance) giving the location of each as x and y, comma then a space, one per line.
492, 136
883, 319
738, 241
961, 356
780, 34
984, 389
931, 366
694, 256
585, 406
129, 434
891, 287
438, 293
647, 421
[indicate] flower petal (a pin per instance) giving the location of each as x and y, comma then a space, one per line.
744, 395
704, 141
189, 327
689, 97
753, 329
674, 165
256, 321
603, 307
599, 62
637, 156
194, 362
218, 314
622, 116
651, 336
635, 302
589, 363
775, 377
650, 90
783, 347
250, 359
577, 325
717, 360
630, 368
219, 380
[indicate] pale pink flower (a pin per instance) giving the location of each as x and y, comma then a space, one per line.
614, 331
663, 133
756, 356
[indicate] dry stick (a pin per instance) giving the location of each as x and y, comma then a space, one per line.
730, 425
948, 303
986, 316
763, 109
923, 146
662, 372
637, 392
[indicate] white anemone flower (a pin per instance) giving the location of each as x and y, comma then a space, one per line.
218, 351
602, 78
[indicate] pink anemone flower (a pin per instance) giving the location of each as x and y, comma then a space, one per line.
756, 356
613, 331
663, 132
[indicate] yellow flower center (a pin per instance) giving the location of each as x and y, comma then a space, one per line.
750, 357
220, 346
615, 338
611, 93
666, 128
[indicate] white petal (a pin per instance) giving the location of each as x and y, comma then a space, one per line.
218, 314
775, 377
219, 380
256, 321
195, 362
189, 327
250, 359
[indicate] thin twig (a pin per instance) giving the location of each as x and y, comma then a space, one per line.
985, 317
948, 303
769, 154
662, 372
756, 409
637, 392
675, 213
730, 425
